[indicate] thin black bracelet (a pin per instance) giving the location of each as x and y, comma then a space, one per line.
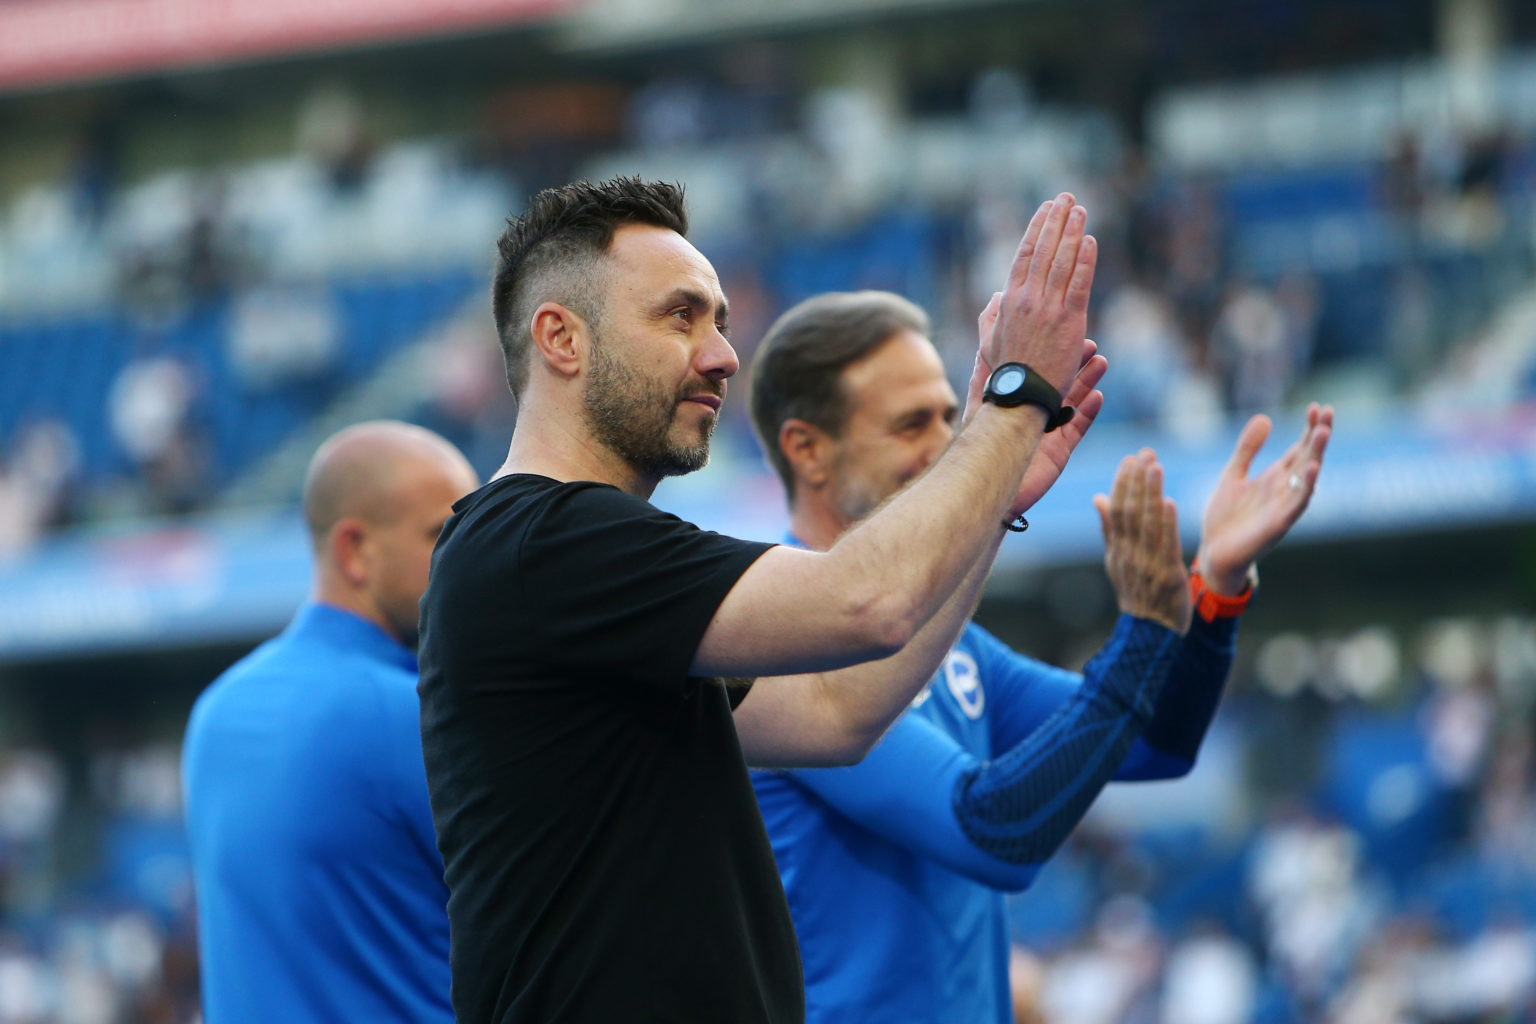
1016, 525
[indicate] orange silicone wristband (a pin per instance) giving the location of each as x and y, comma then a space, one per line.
1210, 605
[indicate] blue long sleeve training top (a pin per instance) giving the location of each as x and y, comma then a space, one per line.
895, 867
320, 890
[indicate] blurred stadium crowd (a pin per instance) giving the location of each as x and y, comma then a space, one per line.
1356, 846
165, 335
1359, 843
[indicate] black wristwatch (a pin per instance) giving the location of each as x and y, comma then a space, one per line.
1014, 384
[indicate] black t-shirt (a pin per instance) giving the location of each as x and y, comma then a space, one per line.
603, 849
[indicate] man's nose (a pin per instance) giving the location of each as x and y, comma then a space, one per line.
717, 359
938, 439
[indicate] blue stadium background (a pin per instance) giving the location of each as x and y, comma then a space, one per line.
210, 260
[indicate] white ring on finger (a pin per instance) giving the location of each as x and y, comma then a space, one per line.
1295, 482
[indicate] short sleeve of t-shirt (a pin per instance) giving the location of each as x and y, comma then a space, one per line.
613, 587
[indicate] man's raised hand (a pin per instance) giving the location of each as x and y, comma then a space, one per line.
1141, 544
1056, 447
1043, 313
1248, 516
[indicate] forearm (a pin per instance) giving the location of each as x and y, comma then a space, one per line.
867, 698
1188, 703
798, 611
920, 545
1020, 806
835, 717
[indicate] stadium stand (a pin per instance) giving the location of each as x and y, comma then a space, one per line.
175, 332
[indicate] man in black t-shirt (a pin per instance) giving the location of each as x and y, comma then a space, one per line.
595, 674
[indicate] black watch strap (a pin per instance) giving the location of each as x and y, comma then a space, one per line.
1015, 384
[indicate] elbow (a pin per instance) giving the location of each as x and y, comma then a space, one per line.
1166, 766
1011, 878
885, 623
852, 746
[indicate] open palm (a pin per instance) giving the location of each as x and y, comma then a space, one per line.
1247, 516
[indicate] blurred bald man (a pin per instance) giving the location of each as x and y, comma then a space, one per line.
320, 888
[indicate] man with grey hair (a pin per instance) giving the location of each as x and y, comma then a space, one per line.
320, 891
894, 868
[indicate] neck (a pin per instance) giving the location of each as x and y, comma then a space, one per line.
334, 595
816, 524
558, 446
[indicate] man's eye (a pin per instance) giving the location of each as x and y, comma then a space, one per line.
683, 314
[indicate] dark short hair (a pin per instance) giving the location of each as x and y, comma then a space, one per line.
551, 251
797, 371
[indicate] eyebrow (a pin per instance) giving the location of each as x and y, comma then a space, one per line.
924, 413
698, 301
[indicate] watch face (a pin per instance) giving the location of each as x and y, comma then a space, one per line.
1008, 380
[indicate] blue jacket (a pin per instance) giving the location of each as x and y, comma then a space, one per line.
319, 886
895, 868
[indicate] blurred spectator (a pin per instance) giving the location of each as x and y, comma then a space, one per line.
1304, 881
284, 336
1139, 334
1403, 183
1210, 978
97, 166
1026, 980
669, 111
31, 797
149, 404
1110, 977
1261, 342
330, 131
20, 516
37, 484
151, 407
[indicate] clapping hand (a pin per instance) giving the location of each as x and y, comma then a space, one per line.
1141, 544
1248, 516
1042, 313
1057, 446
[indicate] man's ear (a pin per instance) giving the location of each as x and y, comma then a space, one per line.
350, 552
559, 337
808, 450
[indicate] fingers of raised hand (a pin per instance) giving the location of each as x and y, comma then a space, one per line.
1043, 255
1172, 549
1173, 577
1087, 411
1082, 276
1024, 258
1299, 467
988, 318
1255, 433
1321, 433
1087, 379
1064, 264
1151, 497
1101, 505
1125, 496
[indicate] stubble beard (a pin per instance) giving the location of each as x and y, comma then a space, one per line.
632, 416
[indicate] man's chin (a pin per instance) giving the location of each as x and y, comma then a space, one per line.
682, 463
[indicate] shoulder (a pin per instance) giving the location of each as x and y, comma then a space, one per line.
230, 685
522, 510
584, 523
